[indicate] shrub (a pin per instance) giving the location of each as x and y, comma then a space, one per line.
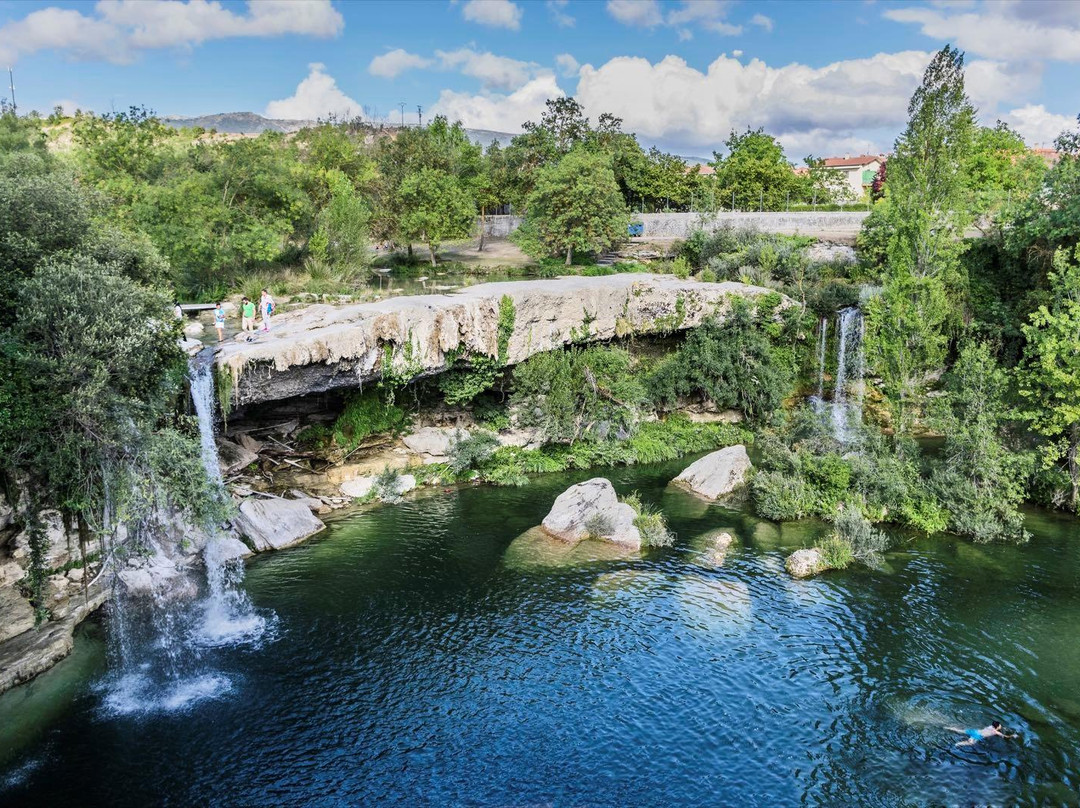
468, 451
836, 552
650, 523
388, 484
867, 543
366, 413
781, 497
599, 526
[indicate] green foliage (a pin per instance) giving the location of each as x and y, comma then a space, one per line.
599, 526
173, 456
387, 485
754, 172
366, 413
435, 208
1050, 377
471, 450
853, 529
730, 361
836, 553
650, 523
576, 205
978, 480
579, 393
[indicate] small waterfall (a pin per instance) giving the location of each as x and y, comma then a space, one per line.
850, 364
161, 639
819, 400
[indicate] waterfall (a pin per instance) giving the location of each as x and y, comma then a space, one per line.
229, 614
850, 364
823, 331
162, 636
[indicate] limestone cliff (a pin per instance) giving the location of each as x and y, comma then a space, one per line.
325, 347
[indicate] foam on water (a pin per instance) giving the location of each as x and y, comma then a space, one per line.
140, 694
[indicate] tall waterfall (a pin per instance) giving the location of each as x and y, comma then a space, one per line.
850, 370
845, 405
161, 638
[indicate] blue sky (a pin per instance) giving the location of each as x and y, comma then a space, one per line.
825, 77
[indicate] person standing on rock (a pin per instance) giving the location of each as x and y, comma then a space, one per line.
219, 321
247, 316
266, 307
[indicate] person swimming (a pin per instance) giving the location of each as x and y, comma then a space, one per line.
976, 735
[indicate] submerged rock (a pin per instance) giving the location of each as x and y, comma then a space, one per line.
717, 475
805, 563
273, 524
592, 509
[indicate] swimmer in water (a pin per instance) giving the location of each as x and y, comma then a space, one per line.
976, 735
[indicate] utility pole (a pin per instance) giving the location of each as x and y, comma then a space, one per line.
11, 83
419, 115
401, 106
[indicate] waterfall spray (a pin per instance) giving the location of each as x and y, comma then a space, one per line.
823, 330
850, 361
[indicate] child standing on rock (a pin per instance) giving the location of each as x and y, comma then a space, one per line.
219, 321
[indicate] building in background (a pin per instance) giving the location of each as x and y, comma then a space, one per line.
858, 172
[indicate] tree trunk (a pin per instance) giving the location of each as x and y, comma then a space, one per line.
410, 251
431, 249
1074, 467
483, 223
569, 255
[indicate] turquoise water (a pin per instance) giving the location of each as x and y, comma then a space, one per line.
425, 655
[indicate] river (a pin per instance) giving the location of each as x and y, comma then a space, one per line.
420, 659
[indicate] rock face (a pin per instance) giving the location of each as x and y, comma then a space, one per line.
18, 614
432, 441
717, 475
325, 347
272, 524
60, 547
590, 507
804, 563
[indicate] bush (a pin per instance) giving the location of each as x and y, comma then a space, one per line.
867, 544
468, 451
599, 526
650, 523
366, 413
836, 552
388, 484
781, 497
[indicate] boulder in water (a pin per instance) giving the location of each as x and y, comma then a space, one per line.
227, 548
358, 488
591, 509
157, 577
717, 475
805, 563
272, 524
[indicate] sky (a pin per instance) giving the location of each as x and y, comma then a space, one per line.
827, 78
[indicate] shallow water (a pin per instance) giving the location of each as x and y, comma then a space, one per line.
421, 659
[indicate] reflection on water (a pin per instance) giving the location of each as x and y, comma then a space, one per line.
418, 662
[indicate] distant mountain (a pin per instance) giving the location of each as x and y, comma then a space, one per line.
251, 123
239, 123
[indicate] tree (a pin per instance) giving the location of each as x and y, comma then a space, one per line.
435, 208
928, 211
576, 205
822, 184
1000, 170
755, 172
978, 480
341, 234
877, 187
1049, 378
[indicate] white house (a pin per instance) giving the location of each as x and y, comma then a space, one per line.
858, 171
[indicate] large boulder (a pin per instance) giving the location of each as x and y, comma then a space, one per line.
361, 487
272, 524
16, 613
717, 475
157, 577
805, 563
432, 441
589, 509
234, 457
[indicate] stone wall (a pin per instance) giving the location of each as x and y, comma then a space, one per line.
326, 347
830, 226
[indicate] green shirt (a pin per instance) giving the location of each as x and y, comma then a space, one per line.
249, 309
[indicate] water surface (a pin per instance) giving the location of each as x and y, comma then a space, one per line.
420, 657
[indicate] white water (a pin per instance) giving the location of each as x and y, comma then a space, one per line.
161, 644
845, 406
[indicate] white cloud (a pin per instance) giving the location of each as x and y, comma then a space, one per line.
497, 72
709, 15
118, 29
496, 13
1014, 31
567, 64
502, 113
392, 64
557, 10
641, 13
1037, 125
762, 21
317, 96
